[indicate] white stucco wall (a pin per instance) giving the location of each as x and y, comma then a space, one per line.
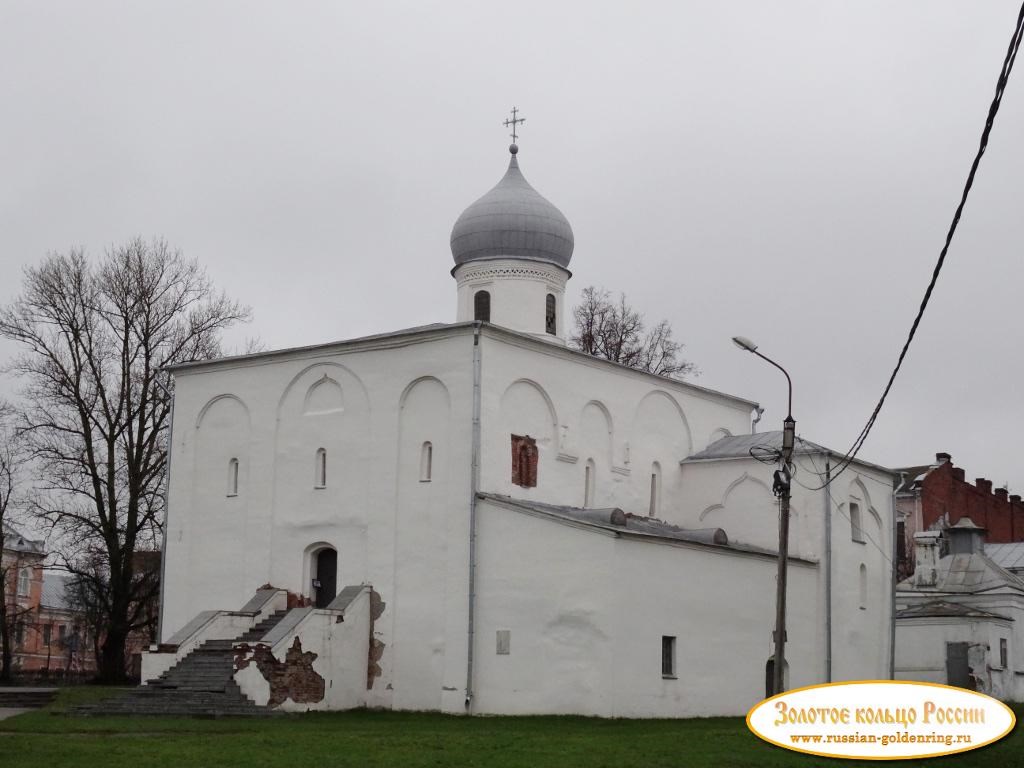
519, 289
581, 409
373, 404
371, 407
586, 612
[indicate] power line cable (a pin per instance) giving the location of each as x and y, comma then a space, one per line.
1004, 75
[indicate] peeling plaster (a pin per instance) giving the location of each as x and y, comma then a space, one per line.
294, 678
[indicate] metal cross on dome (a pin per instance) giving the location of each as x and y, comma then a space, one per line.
513, 123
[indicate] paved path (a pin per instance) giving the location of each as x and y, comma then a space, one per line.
6, 712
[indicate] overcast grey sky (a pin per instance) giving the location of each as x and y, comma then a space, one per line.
784, 171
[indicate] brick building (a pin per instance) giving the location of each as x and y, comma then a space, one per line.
21, 573
936, 496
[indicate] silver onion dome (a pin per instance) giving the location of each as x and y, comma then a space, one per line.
512, 220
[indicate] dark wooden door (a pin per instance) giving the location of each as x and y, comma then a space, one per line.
326, 576
958, 671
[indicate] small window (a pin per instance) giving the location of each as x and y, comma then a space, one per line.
549, 315
426, 462
668, 656
863, 587
856, 532
482, 306
47, 634
524, 461
588, 484
24, 581
233, 477
655, 501
1004, 654
320, 479
62, 633
19, 633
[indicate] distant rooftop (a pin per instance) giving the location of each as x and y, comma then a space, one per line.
1009, 556
16, 541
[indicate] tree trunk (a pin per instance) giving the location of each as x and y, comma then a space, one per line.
112, 667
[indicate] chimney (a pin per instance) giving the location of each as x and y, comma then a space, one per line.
983, 485
942, 458
958, 474
965, 538
1001, 493
926, 558
1015, 499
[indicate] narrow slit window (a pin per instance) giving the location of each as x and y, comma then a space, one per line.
668, 656
1004, 655
856, 532
863, 587
233, 477
320, 480
655, 501
588, 484
426, 462
550, 315
482, 306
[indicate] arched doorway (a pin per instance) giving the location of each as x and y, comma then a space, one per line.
325, 577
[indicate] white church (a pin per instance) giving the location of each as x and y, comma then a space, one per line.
472, 517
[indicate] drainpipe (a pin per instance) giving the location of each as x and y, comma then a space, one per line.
828, 568
892, 593
167, 498
474, 484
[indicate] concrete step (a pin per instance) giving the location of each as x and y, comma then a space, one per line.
26, 698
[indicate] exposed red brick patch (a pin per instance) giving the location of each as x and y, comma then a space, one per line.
524, 461
373, 670
294, 678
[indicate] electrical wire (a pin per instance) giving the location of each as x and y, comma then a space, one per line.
1004, 75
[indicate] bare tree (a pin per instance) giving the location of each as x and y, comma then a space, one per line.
612, 329
12, 460
95, 337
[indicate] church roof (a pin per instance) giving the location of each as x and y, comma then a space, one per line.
513, 220
615, 521
946, 609
763, 443
399, 338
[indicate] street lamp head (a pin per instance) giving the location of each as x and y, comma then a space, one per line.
744, 343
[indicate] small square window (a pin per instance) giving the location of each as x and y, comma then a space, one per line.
668, 656
504, 642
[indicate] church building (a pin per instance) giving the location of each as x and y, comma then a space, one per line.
472, 517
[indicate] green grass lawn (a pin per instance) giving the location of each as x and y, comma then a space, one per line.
49, 738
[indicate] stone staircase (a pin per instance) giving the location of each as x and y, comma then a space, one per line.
201, 684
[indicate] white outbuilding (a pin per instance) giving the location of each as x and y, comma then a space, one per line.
474, 517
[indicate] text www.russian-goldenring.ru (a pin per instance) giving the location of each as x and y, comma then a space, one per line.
949, 739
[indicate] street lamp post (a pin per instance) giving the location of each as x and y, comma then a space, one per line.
781, 486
